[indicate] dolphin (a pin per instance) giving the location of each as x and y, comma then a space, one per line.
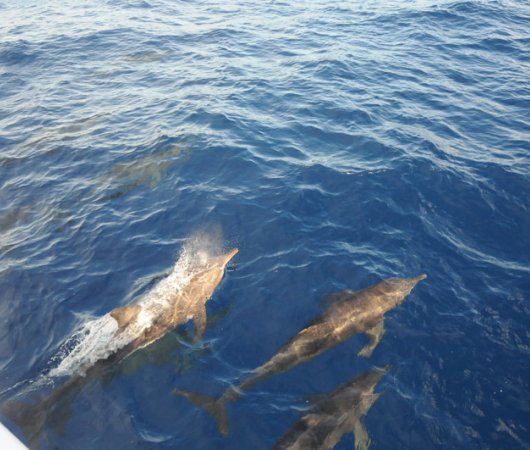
334, 414
188, 303
349, 312
137, 326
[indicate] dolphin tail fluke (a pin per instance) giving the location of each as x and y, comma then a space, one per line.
216, 407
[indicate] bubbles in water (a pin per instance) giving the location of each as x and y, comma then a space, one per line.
99, 338
92, 342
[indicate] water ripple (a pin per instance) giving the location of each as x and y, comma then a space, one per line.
334, 144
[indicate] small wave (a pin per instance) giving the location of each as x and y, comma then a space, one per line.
143, 4
16, 53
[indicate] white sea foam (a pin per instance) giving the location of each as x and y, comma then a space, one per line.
99, 338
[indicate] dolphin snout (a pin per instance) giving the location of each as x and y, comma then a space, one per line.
226, 258
234, 252
412, 282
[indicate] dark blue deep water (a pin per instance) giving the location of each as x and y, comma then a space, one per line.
334, 143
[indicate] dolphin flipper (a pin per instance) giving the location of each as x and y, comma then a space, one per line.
362, 440
374, 334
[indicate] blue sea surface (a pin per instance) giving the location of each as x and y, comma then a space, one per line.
335, 144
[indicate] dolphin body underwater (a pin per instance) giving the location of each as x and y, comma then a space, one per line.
335, 414
137, 326
349, 313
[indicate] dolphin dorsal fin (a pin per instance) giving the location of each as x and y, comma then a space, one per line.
125, 315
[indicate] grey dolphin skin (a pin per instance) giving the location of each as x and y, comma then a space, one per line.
189, 302
348, 313
335, 414
179, 307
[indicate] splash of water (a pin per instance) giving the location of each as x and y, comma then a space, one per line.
99, 338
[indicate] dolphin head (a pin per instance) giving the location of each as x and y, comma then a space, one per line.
368, 380
396, 289
221, 261
359, 391
213, 269
366, 384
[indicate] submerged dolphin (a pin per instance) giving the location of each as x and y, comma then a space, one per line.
349, 313
335, 414
137, 326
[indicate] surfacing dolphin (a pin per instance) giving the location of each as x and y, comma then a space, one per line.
334, 414
167, 305
178, 308
349, 313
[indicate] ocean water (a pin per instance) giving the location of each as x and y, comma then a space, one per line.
334, 143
